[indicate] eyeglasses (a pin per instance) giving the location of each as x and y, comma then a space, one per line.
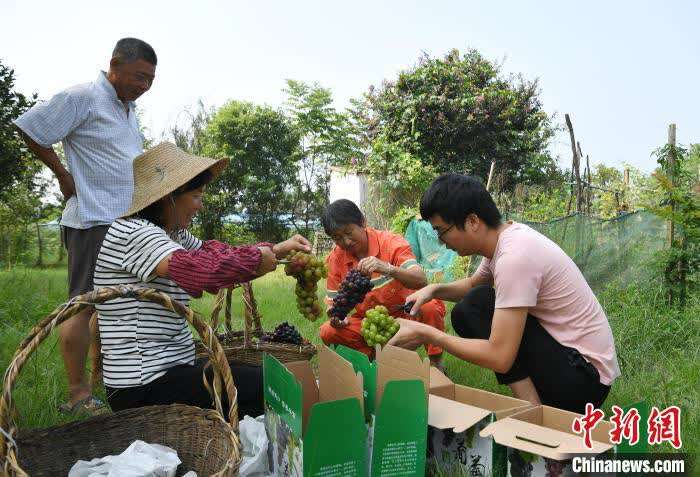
442, 234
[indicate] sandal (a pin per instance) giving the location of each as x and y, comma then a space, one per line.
90, 406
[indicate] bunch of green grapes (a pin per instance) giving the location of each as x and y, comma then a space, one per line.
307, 270
378, 326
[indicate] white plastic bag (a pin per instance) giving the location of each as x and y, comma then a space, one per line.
140, 459
254, 442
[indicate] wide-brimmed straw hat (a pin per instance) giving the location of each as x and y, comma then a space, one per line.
162, 169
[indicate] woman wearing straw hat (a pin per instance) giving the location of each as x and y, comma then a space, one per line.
148, 350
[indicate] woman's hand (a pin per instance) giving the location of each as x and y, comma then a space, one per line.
296, 243
420, 298
268, 262
411, 334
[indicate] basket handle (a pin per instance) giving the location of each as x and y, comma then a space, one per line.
218, 304
252, 318
39, 332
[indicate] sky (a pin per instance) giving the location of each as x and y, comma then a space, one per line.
623, 70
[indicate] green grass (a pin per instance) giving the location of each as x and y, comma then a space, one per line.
659, 349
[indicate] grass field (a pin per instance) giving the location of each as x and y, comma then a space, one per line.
659, 349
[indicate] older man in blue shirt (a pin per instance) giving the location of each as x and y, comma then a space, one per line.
97, 125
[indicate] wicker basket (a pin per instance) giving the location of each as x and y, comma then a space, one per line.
243, 346
205, 441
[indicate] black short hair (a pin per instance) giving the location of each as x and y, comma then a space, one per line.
339, 213
201, 179
129, 50
454, 196
154, 212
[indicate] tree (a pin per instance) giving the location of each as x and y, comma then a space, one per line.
15, 160
326, 139
21, 184
190, 137
263, 148
458, 113
678, 177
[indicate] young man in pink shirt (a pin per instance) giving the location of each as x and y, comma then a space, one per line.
527, 312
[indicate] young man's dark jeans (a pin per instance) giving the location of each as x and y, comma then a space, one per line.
562, 377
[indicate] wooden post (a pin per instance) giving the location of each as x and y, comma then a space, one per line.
589, 191
582, 187
670, 227
576, 163
488, 182
626, 182
576, 166
672, 176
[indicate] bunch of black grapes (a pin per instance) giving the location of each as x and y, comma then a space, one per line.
284, 333
350, 293
307, 270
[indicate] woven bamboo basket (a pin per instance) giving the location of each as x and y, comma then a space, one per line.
206, 441
244, 346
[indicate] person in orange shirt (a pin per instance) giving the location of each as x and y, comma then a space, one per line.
387, 258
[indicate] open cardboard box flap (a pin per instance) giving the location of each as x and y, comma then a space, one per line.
337, 378
305, 376
440, 385
448, 414
395, 363
501, 406
547, 431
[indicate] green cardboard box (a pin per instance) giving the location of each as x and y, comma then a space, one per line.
457, 414
540, 441
315, 429
395, 389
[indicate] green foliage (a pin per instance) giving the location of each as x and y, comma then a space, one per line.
641, 192
677, 177
21, 185
607, 204
190, 137
15, 161
263, 148
326, 139
401, 219
238, 234
396, 168
21, 212
533, 203
458, 113
397, 179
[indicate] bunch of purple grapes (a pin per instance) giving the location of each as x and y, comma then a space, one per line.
350, 293
284, 333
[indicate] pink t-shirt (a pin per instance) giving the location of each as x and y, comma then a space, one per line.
528, 269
